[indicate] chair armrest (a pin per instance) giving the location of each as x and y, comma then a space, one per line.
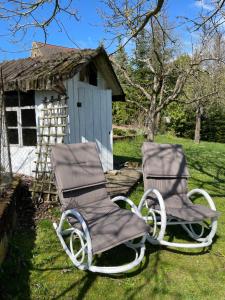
74, 213
134, 208
82, 235
206, 196
159, 198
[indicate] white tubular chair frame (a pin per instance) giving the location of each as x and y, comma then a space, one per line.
162, 212
86, 244
187, 226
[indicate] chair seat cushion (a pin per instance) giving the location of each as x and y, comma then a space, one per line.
94, 211
115, 228
187, 210
192, 213
180, 207
109, 225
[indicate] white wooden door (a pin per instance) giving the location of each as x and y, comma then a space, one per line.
93, 111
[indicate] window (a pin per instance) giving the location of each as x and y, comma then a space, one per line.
89, 74
21, 119
92, 74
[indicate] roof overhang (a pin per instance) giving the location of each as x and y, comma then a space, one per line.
49, 74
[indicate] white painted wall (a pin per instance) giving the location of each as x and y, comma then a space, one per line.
22, 159
91, 122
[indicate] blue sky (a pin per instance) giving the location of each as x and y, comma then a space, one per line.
89, 31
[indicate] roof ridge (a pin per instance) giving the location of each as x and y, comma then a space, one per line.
59, 46
56, 46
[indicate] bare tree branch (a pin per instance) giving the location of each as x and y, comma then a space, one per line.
130, 81
129, 16
24, 15
138, 105
148, 16
218, 9
205, 96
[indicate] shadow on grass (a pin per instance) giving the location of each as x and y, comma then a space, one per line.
116, 256
15, 270
176, 234
87, 281
211, 168
156, 279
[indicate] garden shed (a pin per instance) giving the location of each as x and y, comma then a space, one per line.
86, 77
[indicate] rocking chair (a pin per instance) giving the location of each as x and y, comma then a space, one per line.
167, 202
91, 222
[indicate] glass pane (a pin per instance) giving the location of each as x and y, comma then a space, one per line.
13, 136
11, 99
29, 137
28, 117
11, 118
27, 99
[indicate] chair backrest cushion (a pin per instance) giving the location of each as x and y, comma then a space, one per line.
76, 166
165, 169
78, 174
164, 160
173, 190
167, 186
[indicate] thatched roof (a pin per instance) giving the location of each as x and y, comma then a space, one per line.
49, 72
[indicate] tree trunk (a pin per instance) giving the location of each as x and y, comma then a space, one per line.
198, 125
157, 122
150, 128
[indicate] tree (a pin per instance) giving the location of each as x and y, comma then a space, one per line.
206, 89
164, 77
198, 93
163, 80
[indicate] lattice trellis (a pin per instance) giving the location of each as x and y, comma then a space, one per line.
53, 125
5, 160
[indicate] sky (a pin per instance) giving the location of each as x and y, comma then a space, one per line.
89, 31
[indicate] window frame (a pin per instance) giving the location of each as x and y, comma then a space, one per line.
19, 126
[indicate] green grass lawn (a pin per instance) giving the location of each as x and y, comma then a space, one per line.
38, 268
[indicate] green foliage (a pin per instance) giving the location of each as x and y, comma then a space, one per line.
124, 113
119, 132
119, 112
181, 122
149, 69
152, 65
182, 62
124, 132
142, 51
213, 126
